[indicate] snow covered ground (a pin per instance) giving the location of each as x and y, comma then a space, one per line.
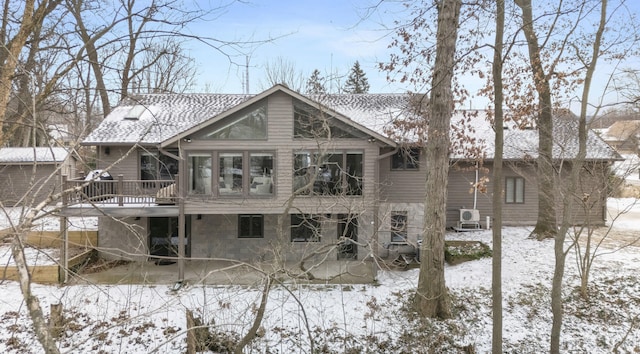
11, 216
360, 318
45, 221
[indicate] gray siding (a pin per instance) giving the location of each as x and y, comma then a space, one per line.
397, 186
128, 167
281, 142
18, 181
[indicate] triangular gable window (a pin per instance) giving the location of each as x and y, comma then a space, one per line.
311, 123
248, 124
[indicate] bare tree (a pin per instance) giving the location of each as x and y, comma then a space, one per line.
496, 271
546, 224
432, 299
171, 72
283, 71
30, 21
576, 169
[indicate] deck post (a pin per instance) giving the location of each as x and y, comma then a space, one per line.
181, 220
120, 190
65, 197
64, 251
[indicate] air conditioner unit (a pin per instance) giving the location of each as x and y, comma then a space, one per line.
469, 215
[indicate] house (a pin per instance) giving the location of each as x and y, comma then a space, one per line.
281, 173
624, 136
28, 175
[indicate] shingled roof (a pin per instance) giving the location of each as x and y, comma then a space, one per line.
156, 118
162, 117
27, 155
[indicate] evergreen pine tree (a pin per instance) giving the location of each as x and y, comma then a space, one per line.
357, 81
315, 84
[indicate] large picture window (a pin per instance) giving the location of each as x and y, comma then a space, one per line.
333, 173
305, 228
261, 167
199, 173
250, 226
230, 178
514, 190
239, 174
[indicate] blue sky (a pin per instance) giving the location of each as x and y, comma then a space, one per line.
327, 35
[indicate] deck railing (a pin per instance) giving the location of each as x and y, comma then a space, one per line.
121, 192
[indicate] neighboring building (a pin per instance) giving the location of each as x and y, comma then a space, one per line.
280, 172
18, 182
624, 136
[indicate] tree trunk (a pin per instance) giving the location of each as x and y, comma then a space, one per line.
31, 19
546, 223
496, 271
40, 327
92, 53
432, 299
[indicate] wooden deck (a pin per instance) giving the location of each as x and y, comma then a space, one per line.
120, 192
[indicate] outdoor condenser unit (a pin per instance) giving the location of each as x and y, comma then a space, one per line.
469, 215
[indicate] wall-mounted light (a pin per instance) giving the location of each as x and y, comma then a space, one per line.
371, 140
199, 217
187, 140
107, 150
137, 218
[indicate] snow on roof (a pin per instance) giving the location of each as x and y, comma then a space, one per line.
23, 155
168, 115
623, 130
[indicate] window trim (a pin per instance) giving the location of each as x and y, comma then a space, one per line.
251, 232
513, 180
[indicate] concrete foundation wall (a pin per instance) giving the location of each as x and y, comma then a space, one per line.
123, 239
216, 236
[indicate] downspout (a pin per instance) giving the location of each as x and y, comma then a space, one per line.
475, 189
181, 216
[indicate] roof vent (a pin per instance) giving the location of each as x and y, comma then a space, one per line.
135, 112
